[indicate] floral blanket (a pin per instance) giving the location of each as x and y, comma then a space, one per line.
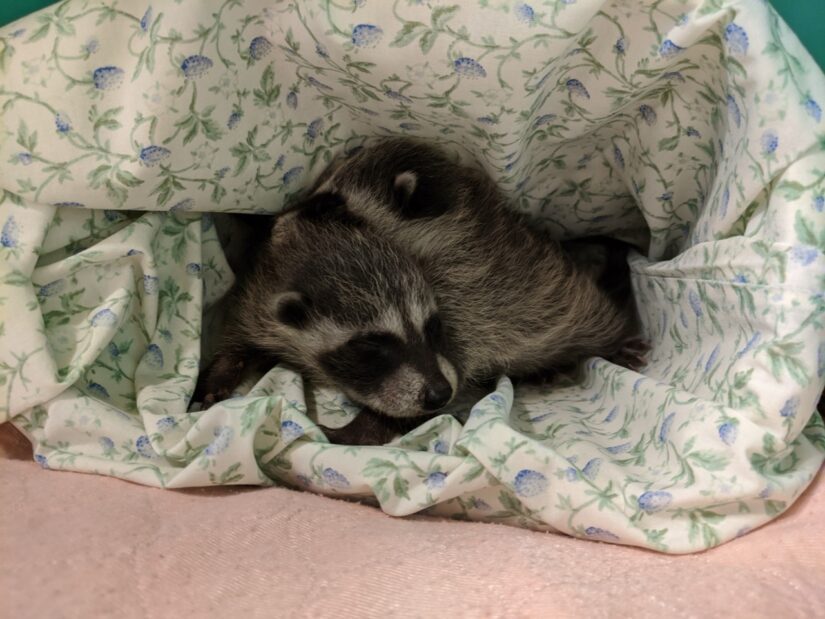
694, 128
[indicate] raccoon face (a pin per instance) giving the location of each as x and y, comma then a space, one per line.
388, 364
354, 312
397, 374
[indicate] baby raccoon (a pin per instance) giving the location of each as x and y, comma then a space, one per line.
511, 300
344, 306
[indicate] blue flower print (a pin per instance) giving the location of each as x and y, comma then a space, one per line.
571, 474
733, 110
770, 142
648, 115
528, 483
601, 534
292, 99
618, 449
497, 399
146, 20
144, 447
318, 84
166, 423
435, 480
134, 252
480, 504
24, 158
736, 38
524, 13
154, 356
664, 431
69, 204
695, 303
321, 50
396, 96
97, 390
725, 200
789, 408
193, 268
184, 205
259, 47
291, 430
52, 288
577, 89
813, 109
804, 254
150, 155
366, 35
692, 133
314, 128
233, 120
106, 444
611, 415
41, 460
91, 46
292, 174
818, 203
195, 66
150, 284
440, 447
467, 67
544, 119
620, 47
654, 500
104, 318
107, 78
223, 436
749, 345
334, 479
591, 469
668, 49
62, 123
618, 157
674, 76
740, 278
728, 432
113, 216
712, 358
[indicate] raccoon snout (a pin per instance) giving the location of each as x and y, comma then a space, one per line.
437, 393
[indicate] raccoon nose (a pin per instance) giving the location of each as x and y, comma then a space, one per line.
437, 393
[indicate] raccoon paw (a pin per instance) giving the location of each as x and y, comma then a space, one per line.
632, 354
217, 381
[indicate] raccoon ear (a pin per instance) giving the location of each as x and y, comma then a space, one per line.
417, 196
402, 189
292, 309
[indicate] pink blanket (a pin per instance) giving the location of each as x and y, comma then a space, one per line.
75, 545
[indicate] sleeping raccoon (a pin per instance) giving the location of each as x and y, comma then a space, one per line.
327, 295
511, 300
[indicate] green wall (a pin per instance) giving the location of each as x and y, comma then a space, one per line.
806, 17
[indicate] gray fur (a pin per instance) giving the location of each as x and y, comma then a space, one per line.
349, 282
515, 303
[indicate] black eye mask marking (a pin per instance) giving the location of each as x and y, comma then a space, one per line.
364, 362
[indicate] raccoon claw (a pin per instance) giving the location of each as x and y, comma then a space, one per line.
632, 355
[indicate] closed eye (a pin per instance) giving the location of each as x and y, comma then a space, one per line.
375, 344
